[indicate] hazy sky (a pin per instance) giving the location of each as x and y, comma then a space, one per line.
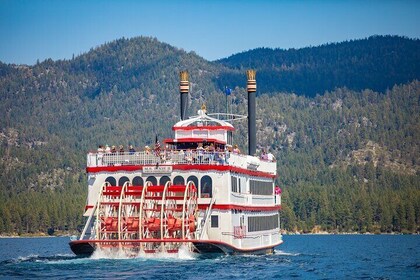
31, 30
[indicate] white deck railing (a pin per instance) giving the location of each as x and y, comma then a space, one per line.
95, 159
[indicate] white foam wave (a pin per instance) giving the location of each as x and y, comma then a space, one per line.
27, 258
183, 254
44, 259
108, 254
280, 252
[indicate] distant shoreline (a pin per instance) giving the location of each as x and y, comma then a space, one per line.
36, 235
284, 233
351, 233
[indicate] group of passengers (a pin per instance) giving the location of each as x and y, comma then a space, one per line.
209, 153
113, 149
267, 156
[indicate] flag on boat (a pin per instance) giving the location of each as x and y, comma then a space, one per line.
157, 147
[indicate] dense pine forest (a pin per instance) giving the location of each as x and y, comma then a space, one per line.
343, 121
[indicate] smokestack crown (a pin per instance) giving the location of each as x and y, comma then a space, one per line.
252, 83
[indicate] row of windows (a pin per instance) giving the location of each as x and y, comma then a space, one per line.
260, 223
255, 187
261, 188
206, 183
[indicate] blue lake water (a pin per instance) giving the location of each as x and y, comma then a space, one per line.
301, 256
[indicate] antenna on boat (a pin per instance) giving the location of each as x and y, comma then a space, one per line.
252, 133
184, 87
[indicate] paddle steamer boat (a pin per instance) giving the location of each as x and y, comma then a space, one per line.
194, 191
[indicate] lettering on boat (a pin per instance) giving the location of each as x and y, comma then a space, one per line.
157, 169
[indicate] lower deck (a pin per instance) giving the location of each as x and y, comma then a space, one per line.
159, 208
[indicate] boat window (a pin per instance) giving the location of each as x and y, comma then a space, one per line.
163, 180
122, 180
179, 180
234, 184
260, 223
206, 185
194, 179
152, 179
214, 221
261, 187
137, 181
111, 180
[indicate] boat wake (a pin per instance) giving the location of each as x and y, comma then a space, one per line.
40, 259
182, 254
282, 253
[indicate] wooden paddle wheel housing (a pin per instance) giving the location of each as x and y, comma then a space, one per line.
146, 218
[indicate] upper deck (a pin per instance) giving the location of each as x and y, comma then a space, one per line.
193, 158
200, 140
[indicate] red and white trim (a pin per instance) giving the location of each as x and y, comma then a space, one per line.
228, 207
240, 207
198, 167
204, 127
194, 140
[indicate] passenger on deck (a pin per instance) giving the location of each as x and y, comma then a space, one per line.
107, 149
147, 150
181, 156
100, 155
228, 150
166, 153
132, 150
101, 149
264, 155
121, 149
188, 156
219, 156
236, 149
270, 156
113, 150
200, 152
211, 151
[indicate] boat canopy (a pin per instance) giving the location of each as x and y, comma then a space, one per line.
203, 121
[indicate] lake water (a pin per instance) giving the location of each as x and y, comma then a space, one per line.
301, 256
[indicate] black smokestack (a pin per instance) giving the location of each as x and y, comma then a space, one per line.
184, 87
252, 133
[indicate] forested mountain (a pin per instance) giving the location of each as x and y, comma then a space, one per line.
347, 159
377, 63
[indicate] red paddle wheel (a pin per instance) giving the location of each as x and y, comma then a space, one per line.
146, 219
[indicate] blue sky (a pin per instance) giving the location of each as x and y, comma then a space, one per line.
31, 30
